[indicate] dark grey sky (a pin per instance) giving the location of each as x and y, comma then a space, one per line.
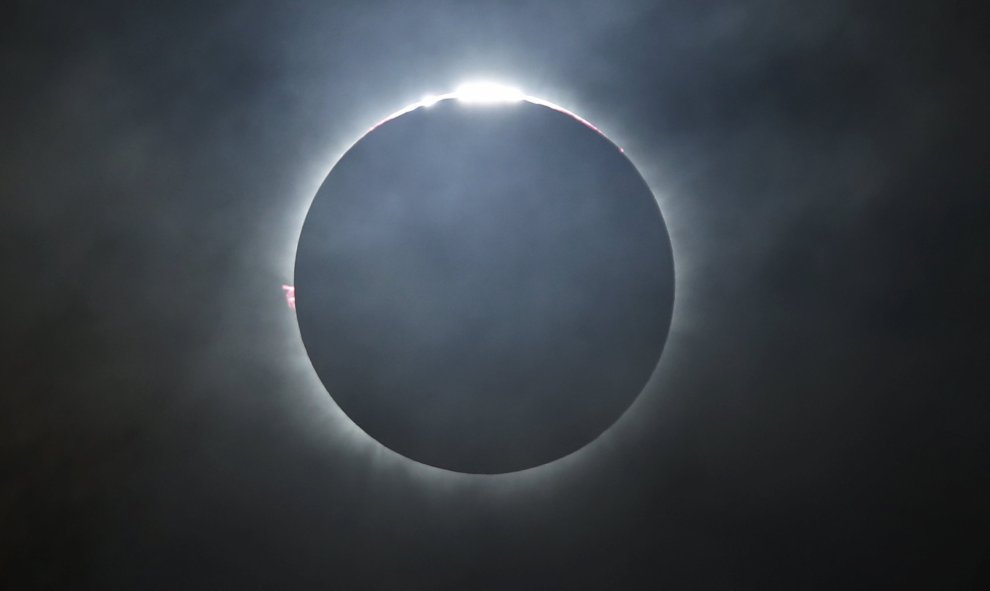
818, 418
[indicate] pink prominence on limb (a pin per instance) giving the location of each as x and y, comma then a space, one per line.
290, 295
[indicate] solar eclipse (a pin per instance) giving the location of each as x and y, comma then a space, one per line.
484, 282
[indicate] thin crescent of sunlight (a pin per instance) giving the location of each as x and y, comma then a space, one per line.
485, 93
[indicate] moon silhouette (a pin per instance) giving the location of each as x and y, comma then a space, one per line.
484, 287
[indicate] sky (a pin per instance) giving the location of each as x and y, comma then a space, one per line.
818, 415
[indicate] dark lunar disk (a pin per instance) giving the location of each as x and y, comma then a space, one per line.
484, 288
